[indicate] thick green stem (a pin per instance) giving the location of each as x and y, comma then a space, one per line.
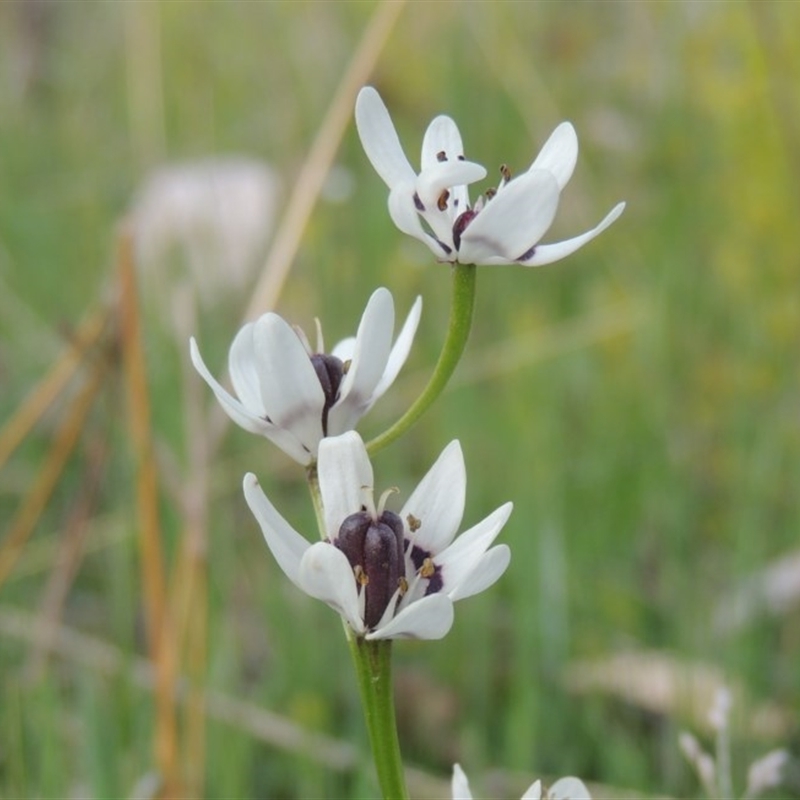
461, 307
373, 663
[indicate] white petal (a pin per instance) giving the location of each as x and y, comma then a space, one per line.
429, 618
325, 573
370, 356
379, 139
400, 351
559, 154
344, 350
246, 418
484, 574
533, 792
438, 501
286, 544
343, 469
435, 179
441, 135
232, 407
460, 559
243, 370
290, 388
440, 225
547, 253
459, 786
404, 214
569, 789
513, 221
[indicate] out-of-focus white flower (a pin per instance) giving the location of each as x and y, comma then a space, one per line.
295, 396
389, 576
767, 773
504, 226
562, 789
215, 214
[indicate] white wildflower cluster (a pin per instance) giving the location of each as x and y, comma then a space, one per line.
393, 575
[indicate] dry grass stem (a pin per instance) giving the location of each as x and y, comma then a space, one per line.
64, 441
159, 629
71, 547
310, 180
39, 399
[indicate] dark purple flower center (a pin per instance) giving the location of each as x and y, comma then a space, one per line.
330, 371
375, 550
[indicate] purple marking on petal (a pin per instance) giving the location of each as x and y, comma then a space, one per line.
527, 254
418, 556
435, 582
418, 203
447, 249
460, 225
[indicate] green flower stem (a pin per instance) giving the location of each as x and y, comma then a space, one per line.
461, 308
373, 663
316, 498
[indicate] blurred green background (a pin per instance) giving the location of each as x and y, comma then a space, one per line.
639, 402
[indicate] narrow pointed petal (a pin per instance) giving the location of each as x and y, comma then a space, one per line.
513, 221
559, 154
248, 420
379, 139
435, 179
438, 501
548, 253
370, 356
400, 351
344, 350
461, 558
442, 135
232, 407
569, 789
290, 388
459, 786
344, 469
484, 574
285, 543
405, 217
533, 792
429, 618
326, 574
243, 370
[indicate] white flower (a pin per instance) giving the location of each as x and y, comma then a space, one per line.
294, 396
389, 576
504, 226
562, 789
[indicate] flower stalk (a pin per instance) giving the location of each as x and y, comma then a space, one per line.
373, 664
462, 304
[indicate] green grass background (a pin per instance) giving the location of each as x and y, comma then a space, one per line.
651, 469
